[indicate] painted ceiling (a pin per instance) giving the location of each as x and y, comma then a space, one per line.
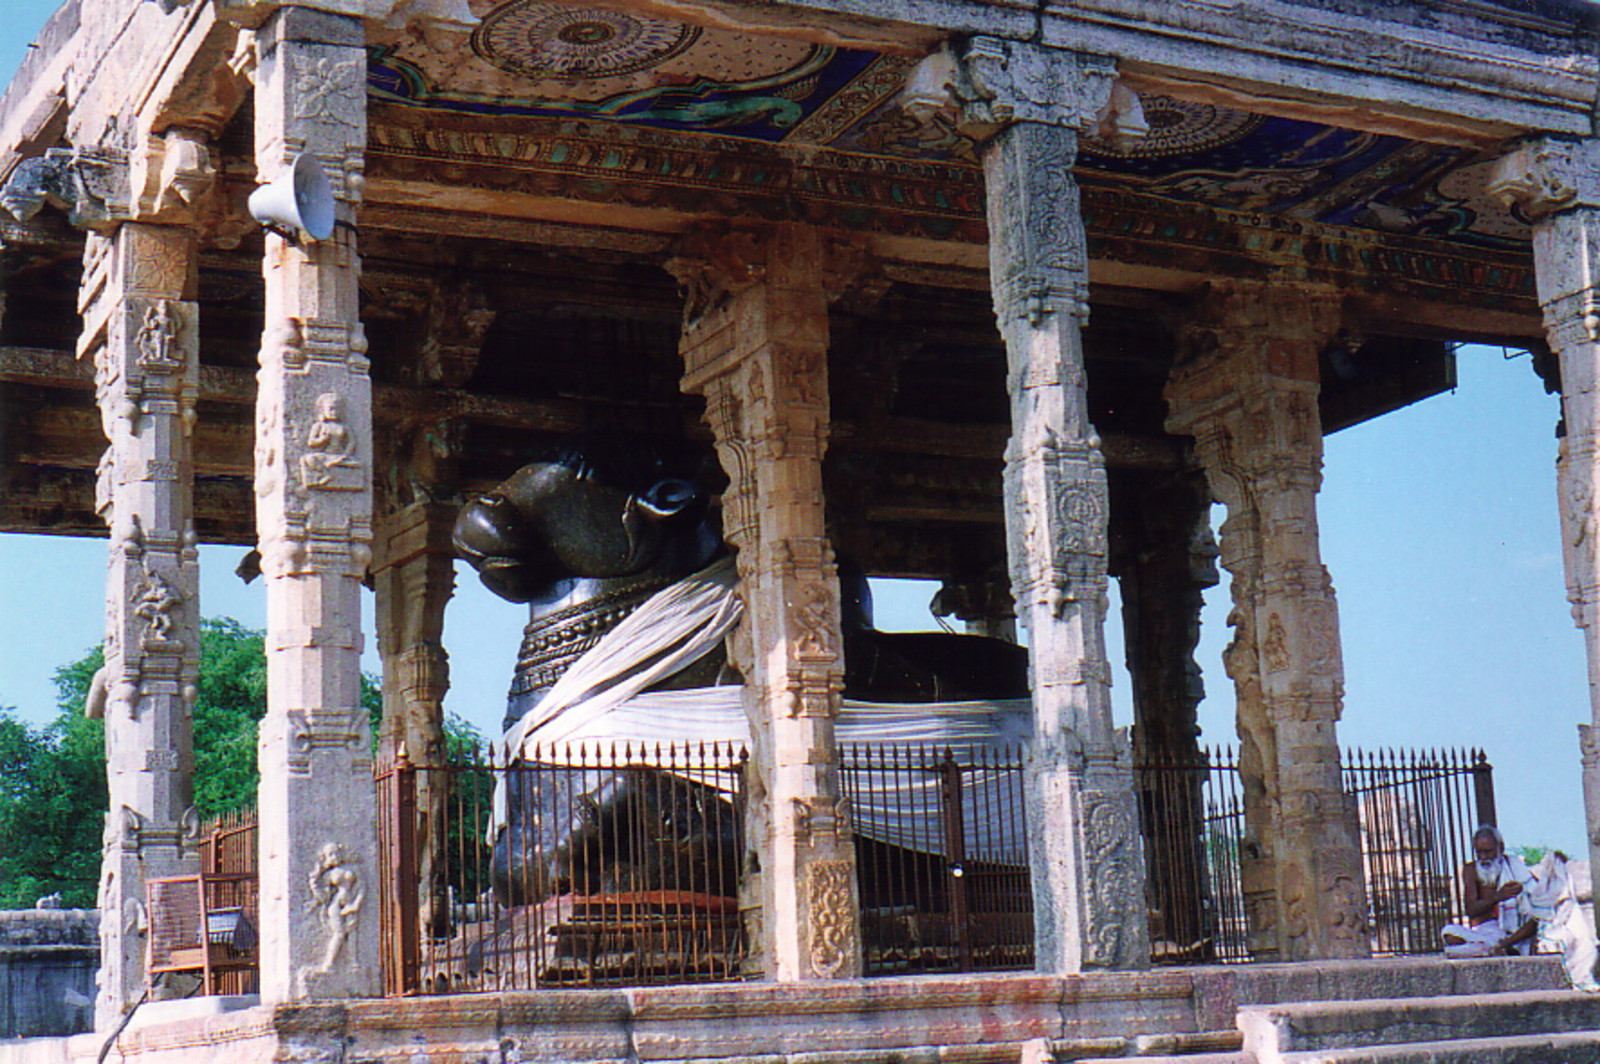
546, 60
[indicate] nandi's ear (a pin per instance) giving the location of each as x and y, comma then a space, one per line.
671, 498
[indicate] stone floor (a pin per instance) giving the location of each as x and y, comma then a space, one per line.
1252, 1013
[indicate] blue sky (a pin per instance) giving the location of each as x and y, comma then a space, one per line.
1439, 529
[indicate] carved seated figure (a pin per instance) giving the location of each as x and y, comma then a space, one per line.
604, 533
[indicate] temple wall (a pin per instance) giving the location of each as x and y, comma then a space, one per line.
48, 960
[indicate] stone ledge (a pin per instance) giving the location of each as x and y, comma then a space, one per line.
1576, 1048
1272, 1031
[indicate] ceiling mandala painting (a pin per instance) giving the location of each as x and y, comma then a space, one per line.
533, 58
1233, 160
546, 60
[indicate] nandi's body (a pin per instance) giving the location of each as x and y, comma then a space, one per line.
584, 537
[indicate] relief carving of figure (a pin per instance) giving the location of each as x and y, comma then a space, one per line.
336, 898
330, 462
157, 335
156, 605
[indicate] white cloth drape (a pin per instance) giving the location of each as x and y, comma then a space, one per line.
603, 699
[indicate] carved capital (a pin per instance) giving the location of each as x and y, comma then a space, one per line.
714, 265
998, 82
90, 186
171, 175
1542, 177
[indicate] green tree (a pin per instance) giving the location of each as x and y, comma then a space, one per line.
53, 778
52, 809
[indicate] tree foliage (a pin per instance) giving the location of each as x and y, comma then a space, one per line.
53, 778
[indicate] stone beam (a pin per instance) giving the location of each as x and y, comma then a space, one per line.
1467, 79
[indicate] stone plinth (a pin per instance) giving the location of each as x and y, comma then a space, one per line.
935, 1019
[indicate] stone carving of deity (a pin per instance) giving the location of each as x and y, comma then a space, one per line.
330, 462
336, 899
156, 604
157, 334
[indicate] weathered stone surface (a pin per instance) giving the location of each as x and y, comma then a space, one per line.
141, 331
313, 482
755, 344
1245, 388
1273, 1033
48, 959
1083, 842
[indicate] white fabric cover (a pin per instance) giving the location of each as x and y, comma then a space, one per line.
602, 699
894, 807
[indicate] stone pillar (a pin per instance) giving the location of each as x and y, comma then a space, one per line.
1557, 184
1164, 557
141, 329
414, 575
1084, 845
982, 602
319, 873
1245, 388
755, 344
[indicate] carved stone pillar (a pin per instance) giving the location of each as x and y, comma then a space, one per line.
1164, 557
1246, 389
1084, 840
414, 575
1557, 184
141, 329
755, 344
319, 875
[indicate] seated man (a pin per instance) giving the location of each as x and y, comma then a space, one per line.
1511, 909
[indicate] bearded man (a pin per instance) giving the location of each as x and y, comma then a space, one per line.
1514, 910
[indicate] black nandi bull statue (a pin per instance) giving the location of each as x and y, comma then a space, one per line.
585, 536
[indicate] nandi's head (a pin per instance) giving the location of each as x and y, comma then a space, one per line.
596, 507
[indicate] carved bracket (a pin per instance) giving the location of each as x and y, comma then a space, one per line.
91, 187
1541, 177
999, 82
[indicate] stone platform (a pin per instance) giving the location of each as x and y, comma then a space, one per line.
1186, 1014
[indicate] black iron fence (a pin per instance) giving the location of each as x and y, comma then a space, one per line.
621, 865
591, 866
941, 857
1416, 810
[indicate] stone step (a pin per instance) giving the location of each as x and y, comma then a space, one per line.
1273, 1032
1203, 1047
1573, 1047
1184, 1058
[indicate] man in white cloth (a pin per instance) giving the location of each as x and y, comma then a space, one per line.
1511, 910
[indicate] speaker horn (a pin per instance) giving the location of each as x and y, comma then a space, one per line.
299, 204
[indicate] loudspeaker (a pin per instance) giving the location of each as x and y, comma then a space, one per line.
299, 204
